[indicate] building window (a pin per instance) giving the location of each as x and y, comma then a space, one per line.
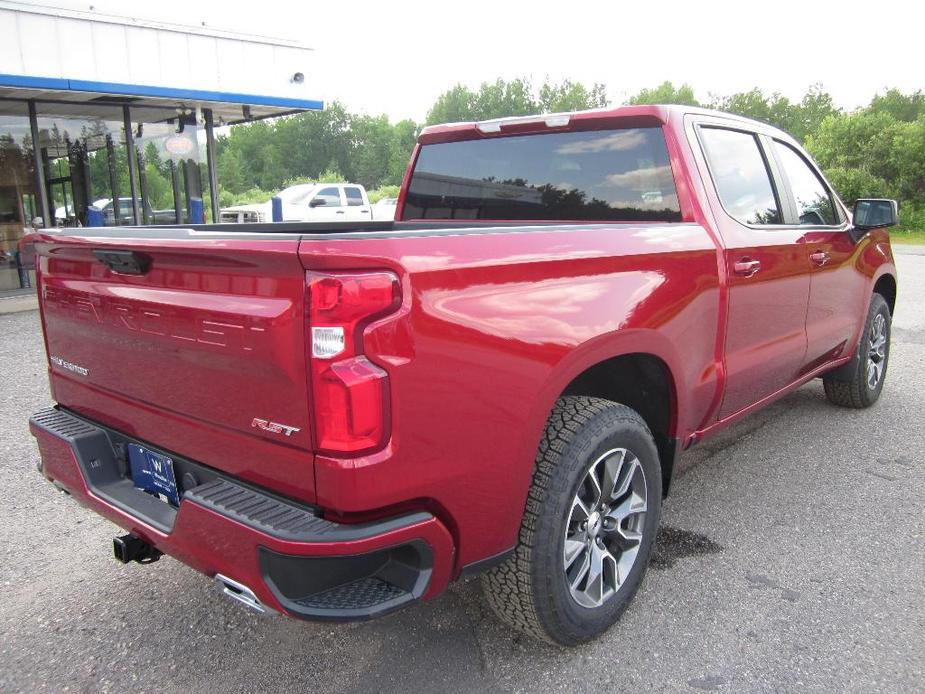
171, 181
18, 199
87, 172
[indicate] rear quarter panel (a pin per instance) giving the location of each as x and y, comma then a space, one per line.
494, 324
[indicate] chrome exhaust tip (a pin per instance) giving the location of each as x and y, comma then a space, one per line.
242, 594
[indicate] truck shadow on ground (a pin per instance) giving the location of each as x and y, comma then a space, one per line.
455, 643
175, 627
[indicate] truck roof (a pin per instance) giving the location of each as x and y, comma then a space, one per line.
638, 115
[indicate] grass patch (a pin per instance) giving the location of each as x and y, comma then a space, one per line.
902, 236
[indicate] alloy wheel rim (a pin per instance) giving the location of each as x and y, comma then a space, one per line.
876, 351
605, 525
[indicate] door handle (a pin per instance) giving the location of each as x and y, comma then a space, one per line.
124, 262
746, 267
340, 211
820, 258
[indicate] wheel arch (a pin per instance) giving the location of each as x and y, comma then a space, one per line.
637, 368
642, 382
885, 286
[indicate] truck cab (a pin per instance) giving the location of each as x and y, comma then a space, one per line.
312, 202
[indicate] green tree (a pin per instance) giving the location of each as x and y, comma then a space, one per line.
231, 170
799, 119
454, 105
404, 137
852, 184
517, 97
860, 140
904, 107
666, 93
159, 187
908, 158
816, 106
372, 144
499, 99
330, 176
571, 96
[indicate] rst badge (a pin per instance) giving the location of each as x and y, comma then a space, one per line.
273, 427
64, 364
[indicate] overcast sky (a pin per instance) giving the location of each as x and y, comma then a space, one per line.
397, 57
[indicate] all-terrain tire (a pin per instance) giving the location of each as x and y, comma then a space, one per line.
862, 385
531, 590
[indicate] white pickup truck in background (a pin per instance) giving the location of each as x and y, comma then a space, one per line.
308, 202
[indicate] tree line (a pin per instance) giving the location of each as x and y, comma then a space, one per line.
874, 151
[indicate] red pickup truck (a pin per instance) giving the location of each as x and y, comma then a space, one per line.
336, 420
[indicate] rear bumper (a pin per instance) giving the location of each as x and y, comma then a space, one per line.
293, 560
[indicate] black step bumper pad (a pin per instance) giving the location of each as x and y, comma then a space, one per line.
313, 582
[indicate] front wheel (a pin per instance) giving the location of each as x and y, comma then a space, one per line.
590, 521
861, 387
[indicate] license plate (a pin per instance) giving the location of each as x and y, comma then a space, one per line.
153, 473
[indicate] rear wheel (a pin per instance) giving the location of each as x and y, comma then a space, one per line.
861, 386
590, 521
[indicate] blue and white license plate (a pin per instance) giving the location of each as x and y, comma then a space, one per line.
153, 473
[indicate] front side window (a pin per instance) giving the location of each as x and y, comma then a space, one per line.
814, 204
741, 176
601, 175
354, 197
331, 197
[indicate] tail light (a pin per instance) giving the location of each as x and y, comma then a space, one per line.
350, 392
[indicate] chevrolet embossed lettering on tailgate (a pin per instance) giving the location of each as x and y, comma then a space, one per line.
211, 335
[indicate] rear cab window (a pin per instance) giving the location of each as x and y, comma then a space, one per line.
354, 196
619, 175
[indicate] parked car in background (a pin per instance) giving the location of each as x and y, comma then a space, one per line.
308, 202
108, 209
340, 419
62, 214
385, 209
66, 216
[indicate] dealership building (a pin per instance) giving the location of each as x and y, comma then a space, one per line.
108, 120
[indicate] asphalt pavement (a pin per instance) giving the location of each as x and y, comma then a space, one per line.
792, 557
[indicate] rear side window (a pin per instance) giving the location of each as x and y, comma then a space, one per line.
602, 175
354, 196
814, 204
741, 176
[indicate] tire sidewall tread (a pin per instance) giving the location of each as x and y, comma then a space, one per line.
856, 394
528, 591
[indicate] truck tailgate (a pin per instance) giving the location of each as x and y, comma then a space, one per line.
190, 340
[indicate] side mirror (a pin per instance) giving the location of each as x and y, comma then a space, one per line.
317, 202
875, 213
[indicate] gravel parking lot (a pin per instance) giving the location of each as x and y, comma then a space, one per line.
792, 557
